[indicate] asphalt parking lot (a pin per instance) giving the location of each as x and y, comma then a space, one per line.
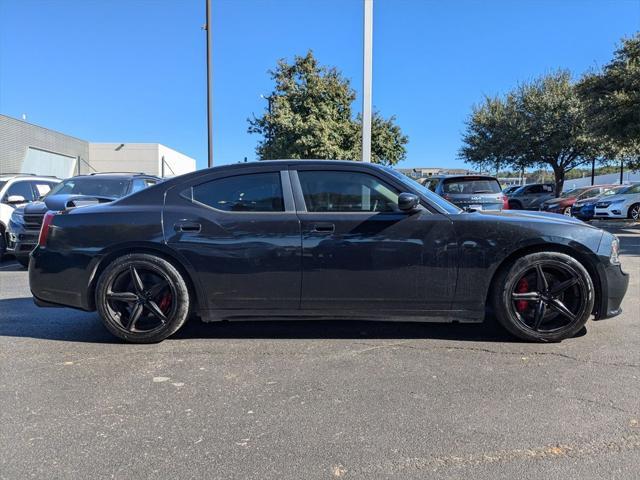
316, 400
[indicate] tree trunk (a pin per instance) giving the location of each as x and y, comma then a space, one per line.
558, 174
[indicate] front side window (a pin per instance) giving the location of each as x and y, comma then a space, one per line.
22, 189
343, 191
257, 192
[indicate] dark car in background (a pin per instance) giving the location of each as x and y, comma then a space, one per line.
316, 240
584, 209
477, 192
530, 197
24, 225
510, 189
564, 202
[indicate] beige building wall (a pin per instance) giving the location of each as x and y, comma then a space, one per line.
139, 157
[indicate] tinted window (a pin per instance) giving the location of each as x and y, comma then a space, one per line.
92, 185
471, 185
20, 188
632, 189
342, 191
259, 192
535, 189
141, 184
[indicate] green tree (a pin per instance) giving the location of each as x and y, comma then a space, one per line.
539, 124
612, 98
309, 115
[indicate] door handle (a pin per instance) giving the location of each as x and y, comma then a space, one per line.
187, 227
323, 228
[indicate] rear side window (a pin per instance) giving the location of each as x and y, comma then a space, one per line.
344, 191
141, 183
471, 186
258, 192
42, 188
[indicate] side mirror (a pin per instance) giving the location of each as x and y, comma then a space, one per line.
16, 199
408, 202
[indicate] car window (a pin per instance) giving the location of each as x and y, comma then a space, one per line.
92, 185
471, 186
141, 183
535, 189
20, 188
257, 192
547, 188
632, 189
42, 188
432, 184
343, 191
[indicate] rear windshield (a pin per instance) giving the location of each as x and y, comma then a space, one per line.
471, 185
103, 187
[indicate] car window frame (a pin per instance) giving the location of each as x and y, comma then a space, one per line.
285, 184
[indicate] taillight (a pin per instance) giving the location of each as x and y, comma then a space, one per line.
46, 226
505, 202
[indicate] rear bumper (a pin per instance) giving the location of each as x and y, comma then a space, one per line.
614, 284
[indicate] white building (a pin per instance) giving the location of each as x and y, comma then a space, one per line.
28, 148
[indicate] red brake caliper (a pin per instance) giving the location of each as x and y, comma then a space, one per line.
523, 287
165, 302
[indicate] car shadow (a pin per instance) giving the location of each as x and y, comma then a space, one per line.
21, 318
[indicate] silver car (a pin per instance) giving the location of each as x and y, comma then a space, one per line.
624, 204
531, 197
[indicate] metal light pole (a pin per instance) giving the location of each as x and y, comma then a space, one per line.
209, 81
367, 80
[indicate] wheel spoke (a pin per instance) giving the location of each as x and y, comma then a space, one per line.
155, 310
562, 286
157, 288
137, 281
541, 279
134, 316
541, 309
526, 296
560, 307
127, 297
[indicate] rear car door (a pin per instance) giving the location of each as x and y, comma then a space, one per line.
239, 232
361, 253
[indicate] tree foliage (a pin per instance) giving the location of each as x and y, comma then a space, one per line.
539, 124
612, 98
310, 116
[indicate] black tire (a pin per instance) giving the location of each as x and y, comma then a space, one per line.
565, 292
634, 212
22, 260
138, 310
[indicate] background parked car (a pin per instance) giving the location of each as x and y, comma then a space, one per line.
564, 202
626, 204
510, 189
24, 225
478, 192
18, 189
584, 209
530, 197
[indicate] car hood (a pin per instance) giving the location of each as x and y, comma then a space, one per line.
538, 217
585, 201
61, 202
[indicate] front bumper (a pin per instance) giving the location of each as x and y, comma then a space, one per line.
613, 286
614, 211
20, 244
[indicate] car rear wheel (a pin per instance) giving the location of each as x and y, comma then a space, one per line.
543, 297
567, 211
142, 298
634, 212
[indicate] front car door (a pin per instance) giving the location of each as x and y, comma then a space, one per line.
240, 234
361, 253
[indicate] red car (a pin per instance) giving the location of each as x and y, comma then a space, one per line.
564, 202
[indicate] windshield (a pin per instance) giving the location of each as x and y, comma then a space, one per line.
629, 189
424, 191
573, 193
99, 186
471, 185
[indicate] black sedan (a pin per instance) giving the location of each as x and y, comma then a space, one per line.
320, 239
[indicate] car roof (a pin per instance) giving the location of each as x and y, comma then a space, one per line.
116, 175
28, 176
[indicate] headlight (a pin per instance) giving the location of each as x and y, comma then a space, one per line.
17, 218
614, 258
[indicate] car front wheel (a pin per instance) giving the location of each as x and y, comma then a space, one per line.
543, 297
634, 212
142, 298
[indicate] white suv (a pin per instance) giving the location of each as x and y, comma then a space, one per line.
624, 204
18, 189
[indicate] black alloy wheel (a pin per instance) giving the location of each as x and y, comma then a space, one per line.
142, 298
544, 297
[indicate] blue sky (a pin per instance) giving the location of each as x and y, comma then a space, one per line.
133, 70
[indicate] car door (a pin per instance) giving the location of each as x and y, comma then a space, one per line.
360, 252
240, 234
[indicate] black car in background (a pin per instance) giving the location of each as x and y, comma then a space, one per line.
308, 239
477, 192
25, 222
